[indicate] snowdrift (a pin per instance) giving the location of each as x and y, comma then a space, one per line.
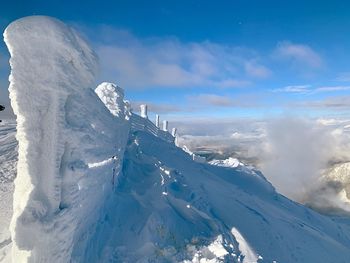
97, 183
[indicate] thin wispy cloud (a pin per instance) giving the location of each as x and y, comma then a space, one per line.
207, 100
212, 100
332, 88
309, 89
256, 70
343, 77
294, 89
167, 62
298, 55
334, 102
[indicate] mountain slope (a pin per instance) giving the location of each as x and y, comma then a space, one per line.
167, 208
92, 186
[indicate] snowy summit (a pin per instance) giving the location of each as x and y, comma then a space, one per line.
92, 181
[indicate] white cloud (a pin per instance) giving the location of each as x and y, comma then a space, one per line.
206, 100
334, 102
309, 89
256, 70
296, 152
332, 88
294, 89
167, 62
299, 55
212, 100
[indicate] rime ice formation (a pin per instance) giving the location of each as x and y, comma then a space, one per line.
97, 183
113, 97
62, 126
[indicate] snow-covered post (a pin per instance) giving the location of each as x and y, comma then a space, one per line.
143, 108
173, 132
165, 125
157, 120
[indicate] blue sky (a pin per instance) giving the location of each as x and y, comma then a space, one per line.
216, 59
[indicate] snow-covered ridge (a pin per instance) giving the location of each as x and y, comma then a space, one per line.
97, 183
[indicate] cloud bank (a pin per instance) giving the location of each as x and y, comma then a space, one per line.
296, 151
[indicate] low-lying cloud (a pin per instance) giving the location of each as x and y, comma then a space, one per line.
296, 151
292, 152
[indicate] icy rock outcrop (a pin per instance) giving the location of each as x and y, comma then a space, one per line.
62, 127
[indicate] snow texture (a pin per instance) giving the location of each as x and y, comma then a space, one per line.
61, 127
8, 162
230, 162
96, 183
113, 97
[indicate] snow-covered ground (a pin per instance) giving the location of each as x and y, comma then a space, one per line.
8, 162
89, 188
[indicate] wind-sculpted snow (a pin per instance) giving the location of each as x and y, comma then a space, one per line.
113, 97
168, 208
62, 126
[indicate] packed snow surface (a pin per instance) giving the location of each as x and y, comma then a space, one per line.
95, 183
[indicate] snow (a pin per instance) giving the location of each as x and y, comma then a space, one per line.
195, 157
203, 202
8, 162
249, 256
57, 197
113, 97
217, 248
96, 183
230, 162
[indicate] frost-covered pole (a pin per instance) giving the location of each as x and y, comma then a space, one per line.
143, 108
157, 120
173, 132
165, 125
